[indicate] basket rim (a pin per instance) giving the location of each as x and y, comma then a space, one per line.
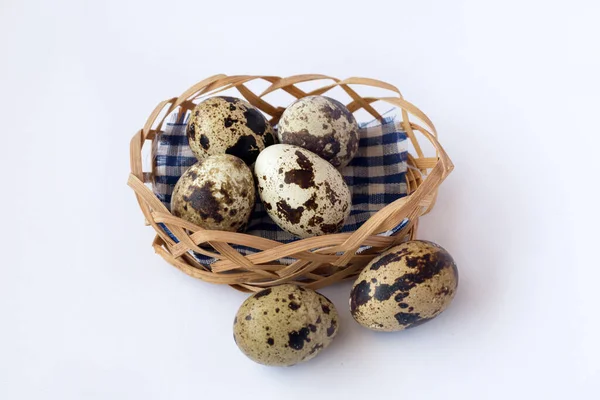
256, 271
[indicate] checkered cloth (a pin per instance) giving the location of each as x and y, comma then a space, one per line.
376, 176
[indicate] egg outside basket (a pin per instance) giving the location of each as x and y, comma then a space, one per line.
318, 261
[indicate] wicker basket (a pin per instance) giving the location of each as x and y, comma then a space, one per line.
320, 261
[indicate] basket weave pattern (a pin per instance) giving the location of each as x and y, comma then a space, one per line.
320, 261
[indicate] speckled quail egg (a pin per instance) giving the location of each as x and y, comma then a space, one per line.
404, 287
215, 193
285, 325
322, 125
302, 193
228, 125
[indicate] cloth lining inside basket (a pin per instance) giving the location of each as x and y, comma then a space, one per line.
376, 177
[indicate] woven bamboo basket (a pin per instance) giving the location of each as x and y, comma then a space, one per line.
319, 261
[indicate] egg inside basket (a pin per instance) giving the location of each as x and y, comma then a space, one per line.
385, 180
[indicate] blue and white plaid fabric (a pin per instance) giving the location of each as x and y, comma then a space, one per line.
376, 177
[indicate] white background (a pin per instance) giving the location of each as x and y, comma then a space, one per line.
87, 311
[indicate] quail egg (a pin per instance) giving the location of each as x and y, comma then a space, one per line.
284, 325
215, 193
322, 125
302, 193
228, 125
404, 287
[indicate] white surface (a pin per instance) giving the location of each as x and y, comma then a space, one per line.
89, 312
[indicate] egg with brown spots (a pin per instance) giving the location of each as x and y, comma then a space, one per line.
228, 125
404, 287
302, 193
285, 325
322, 125
215, 193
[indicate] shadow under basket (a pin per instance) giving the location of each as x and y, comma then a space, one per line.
313, 262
